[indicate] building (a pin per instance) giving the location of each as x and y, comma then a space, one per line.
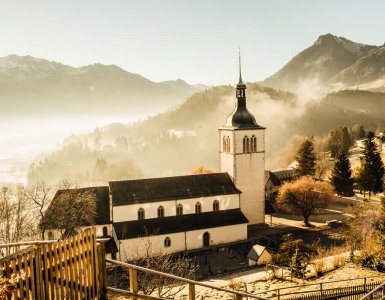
182, 213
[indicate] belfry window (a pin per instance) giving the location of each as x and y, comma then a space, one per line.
215, 205
253, 144
198, 207
226, 144
140, 214
246, 145
160, 211
179, 209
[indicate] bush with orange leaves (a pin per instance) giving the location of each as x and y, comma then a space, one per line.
304, 196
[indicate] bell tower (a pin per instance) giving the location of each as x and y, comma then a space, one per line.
242, 155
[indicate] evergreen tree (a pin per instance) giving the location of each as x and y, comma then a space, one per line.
298, 264
341, 178
371, 174
339, 141
306, 159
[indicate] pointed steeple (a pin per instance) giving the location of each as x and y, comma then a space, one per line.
241, 118
241, 87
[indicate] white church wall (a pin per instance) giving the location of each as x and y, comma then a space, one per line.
124, 213
247, 170
56, 234
218, 235
136, 248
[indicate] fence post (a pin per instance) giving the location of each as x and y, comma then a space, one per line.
102, 270
320, 288
191, 291
365, 284
279, 296
133, 281
239, 297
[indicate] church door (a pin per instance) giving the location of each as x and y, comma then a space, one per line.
206, 239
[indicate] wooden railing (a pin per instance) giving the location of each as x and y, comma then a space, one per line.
72, 268
323, 291
133, 276
377, 293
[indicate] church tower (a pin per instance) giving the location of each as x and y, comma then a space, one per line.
242, 155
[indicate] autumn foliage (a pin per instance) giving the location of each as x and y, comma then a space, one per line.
304, 196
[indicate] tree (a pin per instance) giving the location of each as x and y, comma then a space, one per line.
341, 178
298, 264
39, 195
304, 196
16, 222
201, 170
339, 141
306, 158
370, 176
357, 132
69, 210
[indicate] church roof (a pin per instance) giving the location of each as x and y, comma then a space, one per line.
173, 224
171, 188
241, 118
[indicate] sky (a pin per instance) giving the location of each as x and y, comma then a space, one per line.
193, 40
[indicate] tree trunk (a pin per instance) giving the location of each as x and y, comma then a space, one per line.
306, 221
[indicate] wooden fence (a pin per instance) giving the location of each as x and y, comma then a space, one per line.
354, 292
73, 268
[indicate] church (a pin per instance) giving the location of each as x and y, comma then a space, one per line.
183, 213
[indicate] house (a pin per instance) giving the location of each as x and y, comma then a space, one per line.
259, 255
183, 213
272, 185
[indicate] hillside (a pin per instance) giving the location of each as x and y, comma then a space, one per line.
178, 141
368, 72
34, 86
316, 65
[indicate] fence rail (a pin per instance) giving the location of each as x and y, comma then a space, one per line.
133, 269
73, 268
377, 293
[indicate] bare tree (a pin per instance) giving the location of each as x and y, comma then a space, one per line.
16, 222
40, 195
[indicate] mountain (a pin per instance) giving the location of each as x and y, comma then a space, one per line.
316, 65
367, 73
31, 85
178, 141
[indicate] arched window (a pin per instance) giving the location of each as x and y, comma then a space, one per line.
179, 209
160, 211
253, 144
140, 214
246, 145
206, 239
228, 144
198, 207
215, 205
105, 231
167, 242
50, 235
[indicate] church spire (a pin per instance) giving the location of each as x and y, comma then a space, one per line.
240, 68
241, 118
241, 87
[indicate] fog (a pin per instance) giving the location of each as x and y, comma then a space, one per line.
23, 139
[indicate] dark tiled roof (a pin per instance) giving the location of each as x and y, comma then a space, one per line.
99, 194
171, 188
167, 225
274, 179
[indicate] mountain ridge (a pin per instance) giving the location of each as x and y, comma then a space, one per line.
40, 86
322, 64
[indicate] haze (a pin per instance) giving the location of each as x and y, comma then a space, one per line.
193, 40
